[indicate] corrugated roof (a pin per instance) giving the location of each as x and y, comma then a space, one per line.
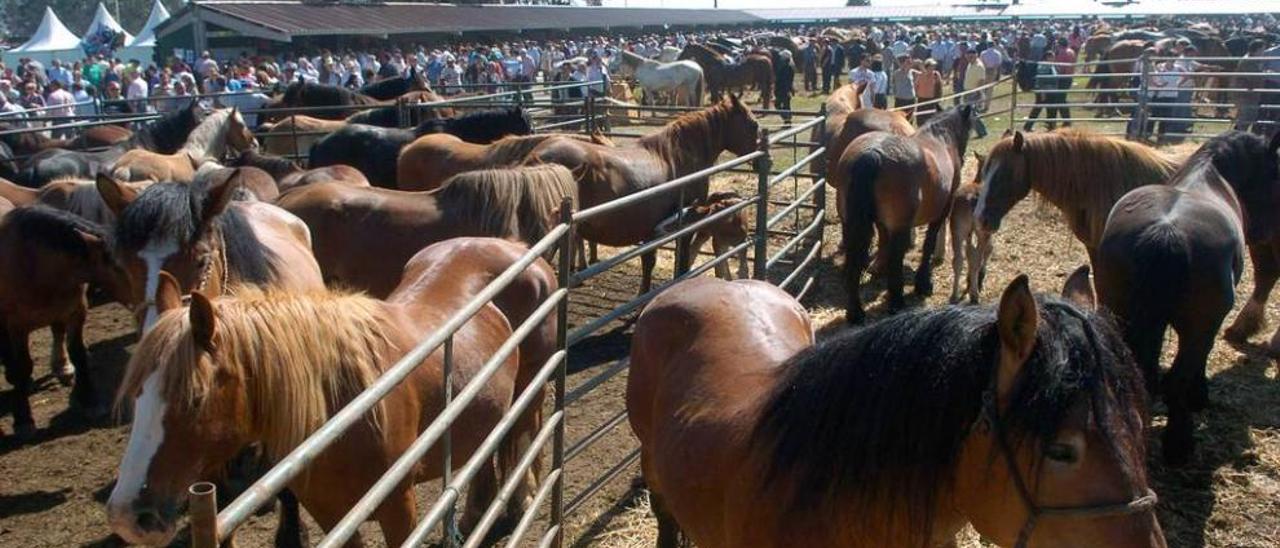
1049, 8
298, 19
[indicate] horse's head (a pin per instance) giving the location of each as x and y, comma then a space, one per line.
741, 131
1251, 165
418, 80
520, 123
239, 137
1005, 180
170, 227
1057, 455
725, 232
190, 417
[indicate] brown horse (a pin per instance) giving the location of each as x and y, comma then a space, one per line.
1096, 46
1121, 58
255, 181
221, 130
293, 136
431, 160
856, 124
895, 184
48, 258
842, 102
71, 195
206, 241
691, 143
1171, 256
28, 143
754, 70
725, 234
966, 246
897, 434
271, 367
1081, 173
339, 173
364, 236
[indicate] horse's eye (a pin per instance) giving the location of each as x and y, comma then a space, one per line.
1061, 452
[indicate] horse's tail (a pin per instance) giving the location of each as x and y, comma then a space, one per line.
859, 215
1161, 259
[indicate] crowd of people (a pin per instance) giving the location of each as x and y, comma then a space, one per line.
901, 66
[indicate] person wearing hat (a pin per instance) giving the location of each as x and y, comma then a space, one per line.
784, 77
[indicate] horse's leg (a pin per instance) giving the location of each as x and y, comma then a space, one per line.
595, 252
1253, 316
58, 360
397, 517
979, 254
722, 267
857, 253
924, 274
668, 529
960, 227
647, 262
940, 250
894, 246
483, 489
290, 531
18, 372
85, 394
1185, 391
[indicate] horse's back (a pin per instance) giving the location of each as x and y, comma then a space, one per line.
289, 240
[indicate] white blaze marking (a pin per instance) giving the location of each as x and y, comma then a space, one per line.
154, 255
144, 440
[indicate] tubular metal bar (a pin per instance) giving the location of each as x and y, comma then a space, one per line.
562, 343
112, 121
582, 332
796, 203
203, 497
631, 199
1077, 105
586, 387
1198, 120
548, 537
517, 475
773, 259
407, 461
945, 98
774, 138
292, 464
581, 445
800, 268
805, 290
446, 444
796, 167
566, 123
607, 264
522, 528
600, 482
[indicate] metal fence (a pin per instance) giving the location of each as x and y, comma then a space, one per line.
784, 247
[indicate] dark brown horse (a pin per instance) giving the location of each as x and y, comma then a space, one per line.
754, 70
1120, 58
895, 184
856, 124
1026, 421
1171, 256
691, 143
26, 144
48, 258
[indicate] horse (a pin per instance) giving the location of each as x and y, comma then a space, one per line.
270, 367
1095, 47
295, 135
895, 184
375, 151
165, 135
341, 101
8, 163
221, 130
1120, 58
854, 125
77, 196
723, 235
346, 222
278, 167
720, 76
1171, 256
48, 258
691, 143
390, 88
255, 181
1026, 420
28, 143
432, 159
1081, 173
207, 241
669, 54
389, 115
966, 247
682, 79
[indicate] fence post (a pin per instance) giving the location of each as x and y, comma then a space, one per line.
589, 110
1013, 106
1144, 107
450, 525
203, 497
764, 164
562, 342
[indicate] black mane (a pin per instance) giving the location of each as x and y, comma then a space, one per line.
481, 127
278, 167
54, 229
168, 133
391, 88
173, 209
877, 416
951, 125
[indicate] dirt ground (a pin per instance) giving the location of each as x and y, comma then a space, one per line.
52, 489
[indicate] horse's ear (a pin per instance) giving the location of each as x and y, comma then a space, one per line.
204, 322
1019, 142
220, 193
168, 293
1079, 290
1016, 322
95, 244
115, 195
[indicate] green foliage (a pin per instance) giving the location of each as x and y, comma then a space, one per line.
21, 17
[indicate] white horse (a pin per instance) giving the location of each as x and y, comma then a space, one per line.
669, 54
684, 79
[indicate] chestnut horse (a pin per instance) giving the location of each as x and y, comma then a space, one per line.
220, 131
48, 258
928, 420
364, 236
206, 241
294, 135
28, 143
71, 195
691, 143
721, 76
966, 246
271, 367
1171, 256
856, 124
895, 184
842, 102
430, 160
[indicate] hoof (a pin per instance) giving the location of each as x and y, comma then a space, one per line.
1179, 444
23, 432
66, 375
1198, 397
924, 290
955, 298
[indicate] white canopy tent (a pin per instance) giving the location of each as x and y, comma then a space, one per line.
51, 41
102, 27
143, 46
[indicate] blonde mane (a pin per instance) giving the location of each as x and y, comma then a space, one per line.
1077, 170
209, 139
300, 357
518, 203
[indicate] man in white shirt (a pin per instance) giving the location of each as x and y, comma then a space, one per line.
138, 92
60, 74
11, 112
60, 103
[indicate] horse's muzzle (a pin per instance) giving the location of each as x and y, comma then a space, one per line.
143, 523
